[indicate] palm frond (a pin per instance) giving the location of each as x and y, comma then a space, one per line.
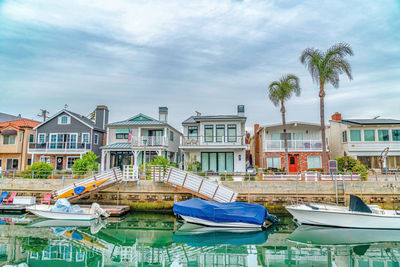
282, 90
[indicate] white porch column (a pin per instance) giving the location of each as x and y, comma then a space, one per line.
136, 159
103, 160
32, 158
159, 153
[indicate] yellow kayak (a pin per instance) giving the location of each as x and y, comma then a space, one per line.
78, 190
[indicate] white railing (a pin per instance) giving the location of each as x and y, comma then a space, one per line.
378, 146
149, 141
58, 146
293, 145
213, 140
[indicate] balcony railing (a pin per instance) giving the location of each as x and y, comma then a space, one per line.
376, 146
293, 145
149, 141
213, 140
58, 146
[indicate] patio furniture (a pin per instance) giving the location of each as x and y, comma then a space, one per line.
9, 199
46, 199
3, 195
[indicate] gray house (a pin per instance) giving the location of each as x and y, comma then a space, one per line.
67, 135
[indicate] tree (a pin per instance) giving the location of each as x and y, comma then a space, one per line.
86, 163
326, 67
41, 170
279, 92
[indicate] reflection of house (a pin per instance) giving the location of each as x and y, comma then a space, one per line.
15, 137
304, 146
67, 135
148, 136
216, 141
365, 140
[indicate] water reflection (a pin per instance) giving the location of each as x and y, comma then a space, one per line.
159, 240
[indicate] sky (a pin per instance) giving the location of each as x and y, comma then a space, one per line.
206, 56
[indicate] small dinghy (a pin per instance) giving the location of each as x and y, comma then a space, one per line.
231, 215
357, 215
63, 210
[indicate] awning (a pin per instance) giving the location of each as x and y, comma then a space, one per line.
9, 132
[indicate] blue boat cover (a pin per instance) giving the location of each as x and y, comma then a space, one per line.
222, 212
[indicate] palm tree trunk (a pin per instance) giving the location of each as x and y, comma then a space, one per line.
323, 134
285, 137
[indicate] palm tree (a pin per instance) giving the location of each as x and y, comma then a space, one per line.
279, 92
325, 67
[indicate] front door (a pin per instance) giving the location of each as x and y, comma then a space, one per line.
292, 163
59, 163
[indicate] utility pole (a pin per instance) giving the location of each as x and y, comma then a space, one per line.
43, 114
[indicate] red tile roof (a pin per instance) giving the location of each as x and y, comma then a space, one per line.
18, 124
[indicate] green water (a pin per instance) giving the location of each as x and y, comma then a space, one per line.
147, 239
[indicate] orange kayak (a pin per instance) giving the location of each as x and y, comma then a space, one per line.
83, 238
82, 188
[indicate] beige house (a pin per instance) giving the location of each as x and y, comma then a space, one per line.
365, 140
15, 137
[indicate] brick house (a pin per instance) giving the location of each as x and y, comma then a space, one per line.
304, 146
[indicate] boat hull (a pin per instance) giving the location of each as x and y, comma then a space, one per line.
344, 219
220, 224
63, 215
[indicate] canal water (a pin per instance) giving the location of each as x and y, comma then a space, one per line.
148, 239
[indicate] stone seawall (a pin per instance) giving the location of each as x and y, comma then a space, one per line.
151, 195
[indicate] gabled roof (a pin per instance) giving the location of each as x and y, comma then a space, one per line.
370, 121
195, 119
77, 116
7, 117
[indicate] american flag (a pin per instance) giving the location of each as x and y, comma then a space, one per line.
130, 135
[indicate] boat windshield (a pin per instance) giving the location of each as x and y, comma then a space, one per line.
356, 204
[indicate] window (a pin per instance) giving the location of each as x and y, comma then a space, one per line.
85, 138
21, 135
96, 139
396, 135
64, 120
1, 163
232, 133
45, 159
208, 133
217, 161
314, 162
220, 133
42, 138
355, 135
70, 161
171, 135
369, 135
193, 132
297, 136
383, 135
344, 136
12, 164
31, 138
274, 163
122, 136
9, 139
29, 162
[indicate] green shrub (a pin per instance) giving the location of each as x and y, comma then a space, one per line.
34, 244
353, 166
41, 170
193, 165
87, 163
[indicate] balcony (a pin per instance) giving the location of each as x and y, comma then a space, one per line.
293, 145
209, 141
58, 147
377, 146
149, 141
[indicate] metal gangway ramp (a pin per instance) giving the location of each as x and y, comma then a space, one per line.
199, 186
112, 176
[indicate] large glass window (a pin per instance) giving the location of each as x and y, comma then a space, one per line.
53, 141
232, 133
297, 136
314, 162
42, 138
220, 133
205, 162
122, 136
70, 161
31, 138
193, 132
383, 135
344, 136
171, 135
355, 135
274, 163
369, 135
217, 161
45, 159
396, 135
12, 164
208, 133
9, 139
73, 141
85, 138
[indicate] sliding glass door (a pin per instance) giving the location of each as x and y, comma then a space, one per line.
217, 161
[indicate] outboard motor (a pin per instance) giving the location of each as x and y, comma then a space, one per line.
95, 208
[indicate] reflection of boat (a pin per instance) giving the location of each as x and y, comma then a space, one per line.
82, 188
41, 222
357, 215
198, 236
325, 236
215, 214
84, 214
14, 219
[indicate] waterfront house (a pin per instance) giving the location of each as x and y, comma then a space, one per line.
216, 141
140, 135
365, 140
15, 137
66, 136
304, 146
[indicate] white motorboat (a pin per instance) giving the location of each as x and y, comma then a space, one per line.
357, 215
221, 224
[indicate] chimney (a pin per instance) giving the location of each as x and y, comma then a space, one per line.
256, 127
240, 110
163, 114
337, 117
101, 117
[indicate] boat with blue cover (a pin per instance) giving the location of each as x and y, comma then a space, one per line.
231, 215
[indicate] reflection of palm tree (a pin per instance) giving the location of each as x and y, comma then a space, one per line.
325, 67
279, 92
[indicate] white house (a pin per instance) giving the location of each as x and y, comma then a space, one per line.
216, 141
149, 137
365, 140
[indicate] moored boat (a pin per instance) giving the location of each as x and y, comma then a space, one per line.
215, 214
357, 215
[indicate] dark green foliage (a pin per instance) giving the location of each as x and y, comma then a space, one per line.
87, 163
41, 170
